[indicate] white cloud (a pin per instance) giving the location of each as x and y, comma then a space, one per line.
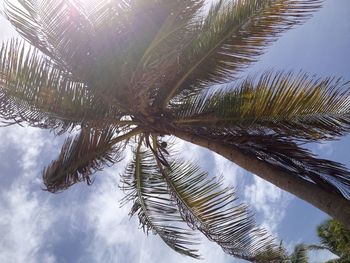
29, 143
112, 232
321, 256
268, 200
326, 149
7, 31
35, 223
25, 218
24, 223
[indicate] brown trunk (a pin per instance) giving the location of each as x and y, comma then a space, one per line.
330, 203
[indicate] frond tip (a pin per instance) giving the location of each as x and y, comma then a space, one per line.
81, 157
209, 207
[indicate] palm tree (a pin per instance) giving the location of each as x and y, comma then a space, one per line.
139, 71
335, 238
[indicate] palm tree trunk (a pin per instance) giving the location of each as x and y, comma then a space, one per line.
330, 203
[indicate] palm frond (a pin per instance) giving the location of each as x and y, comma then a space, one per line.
284, 154
103, 14
299, 254
159, 65
34, 91
233, 35
334, 237
209, 207
317, 247
294, 105
272, 255
101, 44
173, 32
23, 16
58, 28
152, 203
82, 156
337, 260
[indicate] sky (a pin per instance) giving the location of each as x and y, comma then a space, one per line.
87, 224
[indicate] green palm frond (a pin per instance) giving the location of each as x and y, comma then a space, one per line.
101, 44
334, 237
158, 66
299, 254
209, 207
152, 203
273, 255
337, 260
58, 28
173, 33
233, 35
284, 154
34, 91
293, 105
83, 155
24, 17
317, 247
66, 33
139, 68
103, 14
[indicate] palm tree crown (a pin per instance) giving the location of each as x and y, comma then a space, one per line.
335, 238
134, 71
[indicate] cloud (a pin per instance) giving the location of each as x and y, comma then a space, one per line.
86, 224
113, 234
24, 223
321, 256
29, 143
325, 149
269, 201
6, 30
83, 224
25, 218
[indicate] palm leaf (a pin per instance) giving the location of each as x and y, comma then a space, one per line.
23, 16
299, 254
232, 36
101, 44
34, 91
65, 32
82, 156
103, 14
294, 105
159, 66
273, 255
58, 28
152, 203
334, 237
337, 260
208, 206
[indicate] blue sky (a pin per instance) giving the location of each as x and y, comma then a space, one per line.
86, 224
